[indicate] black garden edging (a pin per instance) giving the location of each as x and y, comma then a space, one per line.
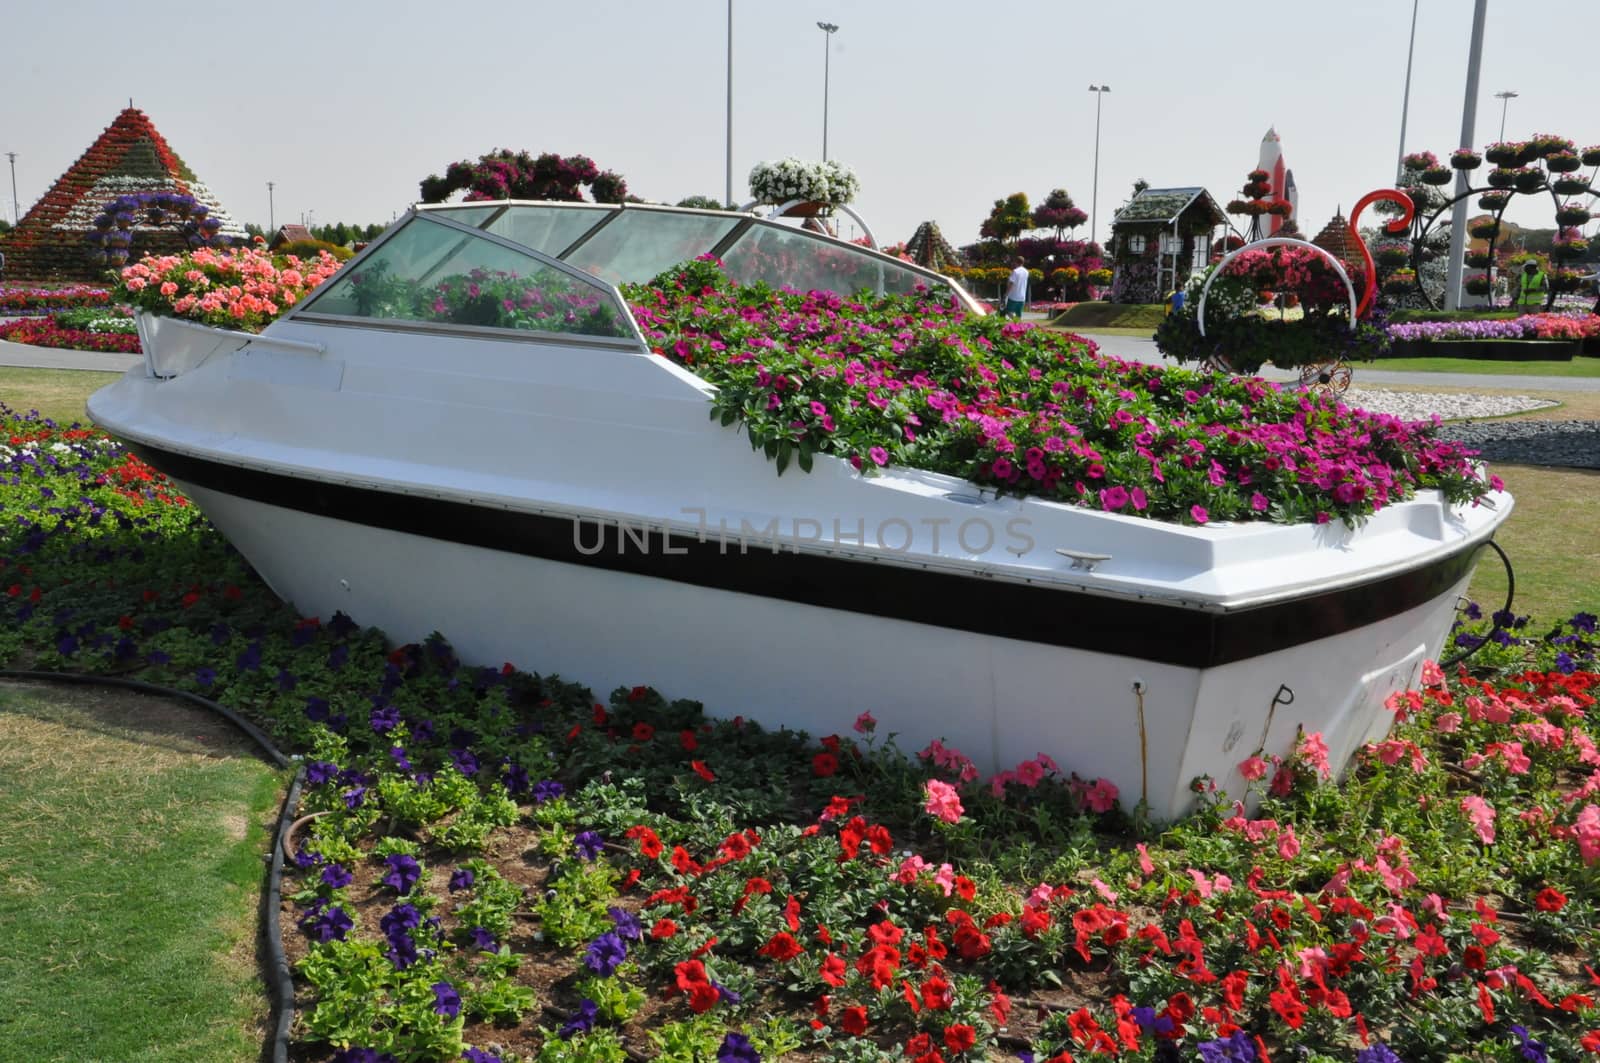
278, 975
1488, 350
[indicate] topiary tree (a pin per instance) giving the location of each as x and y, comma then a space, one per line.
507, 175
111, 239
1058, 213
1010, 218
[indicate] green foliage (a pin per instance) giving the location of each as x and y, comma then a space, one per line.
1010, 218
310, 249
363, 999
704, 203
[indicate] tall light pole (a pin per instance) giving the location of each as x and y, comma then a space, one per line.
272, 217
16, 211
828, 30
1094, 203
727, 199
1405, 103
1469, 118
1505, 99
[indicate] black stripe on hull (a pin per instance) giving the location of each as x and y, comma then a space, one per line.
1145, 630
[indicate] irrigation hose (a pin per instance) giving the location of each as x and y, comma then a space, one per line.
1505, 611
282, 983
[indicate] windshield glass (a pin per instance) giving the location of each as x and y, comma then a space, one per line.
789, 258
548, 229
639, 244
437, 274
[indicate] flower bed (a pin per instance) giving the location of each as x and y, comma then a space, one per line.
1547, 326
21, 302
47, 332
506, 867
241, 288
1020, 408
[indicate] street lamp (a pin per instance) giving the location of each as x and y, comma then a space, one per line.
1094, 203
828, 30
727, 200
272, 222
16, 211
1505, 99
1405, 103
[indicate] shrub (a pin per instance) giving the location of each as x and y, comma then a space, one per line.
312, 248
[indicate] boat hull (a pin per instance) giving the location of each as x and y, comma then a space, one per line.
1141, 718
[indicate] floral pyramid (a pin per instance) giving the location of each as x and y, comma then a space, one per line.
130, 156
928, 247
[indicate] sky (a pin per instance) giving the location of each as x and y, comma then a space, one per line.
940, 107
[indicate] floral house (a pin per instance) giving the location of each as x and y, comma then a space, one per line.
130, 157
1158, 238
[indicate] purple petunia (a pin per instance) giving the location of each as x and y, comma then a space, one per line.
384, 719
336, 876
464, 760
626, 923
327, 924
478, 1055
446, 1001
403, 872
582, 1020
321, 771
1377, 1054
461, 878
589, 844
362, 1055
1235, 1048
736, 1048
548, 790
482, 940
605, 954
355, 798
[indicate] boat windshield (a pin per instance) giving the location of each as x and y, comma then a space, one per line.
633, 244
556, 267
431, 273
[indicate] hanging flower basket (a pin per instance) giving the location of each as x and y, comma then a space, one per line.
1466, 160
1569, 250
1564, 162
1477, 285
1476, 259
1502, 178
1570, 186
1566, 280
1591, 155
1393, 255
1484, 230
1504, 153
1400, 282
1547, 144
1495, 201
1529, 180
830, 183
1571, 214
1437, 175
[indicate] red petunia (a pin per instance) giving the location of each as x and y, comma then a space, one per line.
701, 770
1550, 899
853, 1021
959, 1037
643, 732
824, 765
781, 947
663, 929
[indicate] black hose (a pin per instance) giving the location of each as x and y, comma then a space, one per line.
282, 983
1499, 624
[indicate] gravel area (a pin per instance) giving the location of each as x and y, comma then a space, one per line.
1570, 444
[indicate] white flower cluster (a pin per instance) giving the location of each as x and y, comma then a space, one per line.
820, 182
80, 218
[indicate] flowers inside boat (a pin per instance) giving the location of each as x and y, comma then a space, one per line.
801, 479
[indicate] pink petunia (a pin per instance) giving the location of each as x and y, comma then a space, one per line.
941, 801
1482, 816
1101, 796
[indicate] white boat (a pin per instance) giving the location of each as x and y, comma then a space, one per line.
556, 496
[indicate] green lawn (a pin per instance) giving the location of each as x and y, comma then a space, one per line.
131, 849
1579, 367
1142, 316
57, 393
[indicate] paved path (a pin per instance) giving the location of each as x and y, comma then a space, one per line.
1138, 349
28, 357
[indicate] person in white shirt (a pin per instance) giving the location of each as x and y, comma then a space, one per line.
1016, 291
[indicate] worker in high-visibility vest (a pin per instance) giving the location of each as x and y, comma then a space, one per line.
1532, 287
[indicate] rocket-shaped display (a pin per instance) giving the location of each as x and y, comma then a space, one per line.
1281, 179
